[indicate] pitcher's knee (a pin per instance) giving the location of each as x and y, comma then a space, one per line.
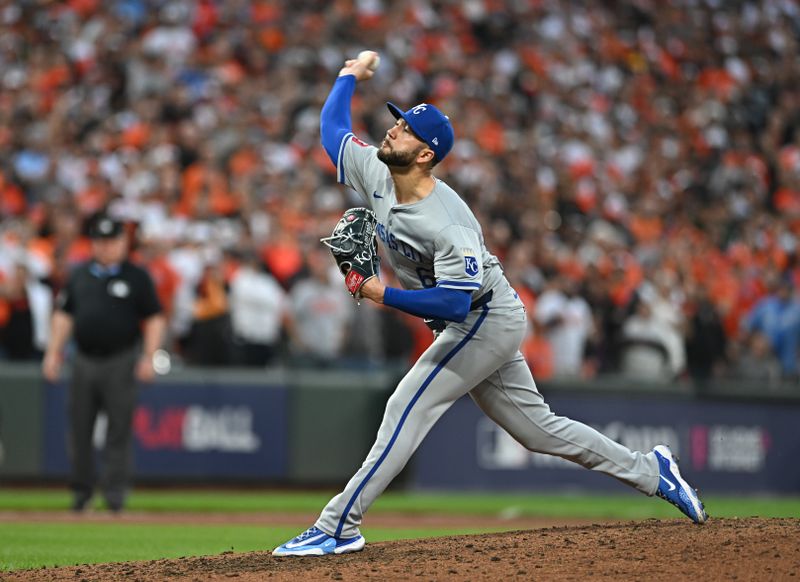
395, 408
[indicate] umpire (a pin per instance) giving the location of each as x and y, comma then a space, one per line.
111, 308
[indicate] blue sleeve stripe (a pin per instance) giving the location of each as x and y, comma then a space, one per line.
340, 158
458, 284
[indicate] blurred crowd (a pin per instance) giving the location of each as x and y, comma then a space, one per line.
635, 165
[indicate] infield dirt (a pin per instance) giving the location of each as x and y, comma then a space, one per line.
723, 549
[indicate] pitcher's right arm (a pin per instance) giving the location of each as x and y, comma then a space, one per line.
356, 163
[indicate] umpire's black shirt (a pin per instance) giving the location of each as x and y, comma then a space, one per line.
107, 306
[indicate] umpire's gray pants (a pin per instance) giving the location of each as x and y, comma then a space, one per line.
480, 356
108, 384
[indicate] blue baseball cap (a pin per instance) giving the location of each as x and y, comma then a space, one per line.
430, 124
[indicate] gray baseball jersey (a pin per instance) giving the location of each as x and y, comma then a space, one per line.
435, 242
438, 241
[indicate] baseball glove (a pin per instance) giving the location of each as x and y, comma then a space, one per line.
355, 247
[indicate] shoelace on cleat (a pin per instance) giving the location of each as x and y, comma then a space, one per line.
312, 531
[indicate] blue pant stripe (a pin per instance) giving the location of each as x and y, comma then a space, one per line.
406, 412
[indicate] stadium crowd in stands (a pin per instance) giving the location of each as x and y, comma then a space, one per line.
636, 166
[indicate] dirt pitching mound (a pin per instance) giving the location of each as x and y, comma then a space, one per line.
723, 549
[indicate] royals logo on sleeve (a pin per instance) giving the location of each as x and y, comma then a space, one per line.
470, 262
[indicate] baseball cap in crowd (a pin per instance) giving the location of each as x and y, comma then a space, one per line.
103, 226
430, 124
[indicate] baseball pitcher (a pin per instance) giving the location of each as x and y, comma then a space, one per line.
435, 245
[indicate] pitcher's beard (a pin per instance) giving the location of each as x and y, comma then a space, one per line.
398, 159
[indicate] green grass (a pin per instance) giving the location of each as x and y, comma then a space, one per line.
32, 545
622, 506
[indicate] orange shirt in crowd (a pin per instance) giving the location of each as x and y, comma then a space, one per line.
245, 161
491, 137
646, 229
787, 201
536, 349
203, 186
136, 135
166, 281
283, 259
539, 354
92, 199
421, 336
12, 200
718, 80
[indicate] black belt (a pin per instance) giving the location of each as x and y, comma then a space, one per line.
481, 301
440, 324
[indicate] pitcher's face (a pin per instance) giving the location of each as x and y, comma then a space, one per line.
401, 147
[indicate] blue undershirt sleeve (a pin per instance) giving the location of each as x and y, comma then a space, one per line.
434, 303
335, 122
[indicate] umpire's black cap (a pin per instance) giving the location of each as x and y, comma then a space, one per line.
104, 226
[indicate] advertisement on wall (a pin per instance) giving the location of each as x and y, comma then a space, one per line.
194, 431
723, 446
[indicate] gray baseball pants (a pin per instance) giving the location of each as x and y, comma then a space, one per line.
481, 357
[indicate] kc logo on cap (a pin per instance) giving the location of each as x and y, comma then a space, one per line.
431, 125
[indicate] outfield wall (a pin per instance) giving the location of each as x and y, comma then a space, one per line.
208, 425
301, 427
724, 446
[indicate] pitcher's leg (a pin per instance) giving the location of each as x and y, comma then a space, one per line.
457, 361
405, 423
510, 398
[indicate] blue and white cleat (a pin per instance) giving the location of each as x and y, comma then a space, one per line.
673, 488
315, 542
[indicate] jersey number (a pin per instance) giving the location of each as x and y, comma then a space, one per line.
426, 278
